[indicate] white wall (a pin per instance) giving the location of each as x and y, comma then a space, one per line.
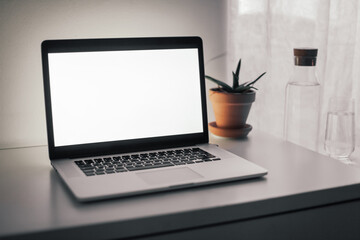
25, 24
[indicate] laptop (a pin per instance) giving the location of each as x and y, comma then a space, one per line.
128, 116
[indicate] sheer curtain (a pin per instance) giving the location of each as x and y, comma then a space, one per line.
263, 34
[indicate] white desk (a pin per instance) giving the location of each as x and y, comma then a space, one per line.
304, 196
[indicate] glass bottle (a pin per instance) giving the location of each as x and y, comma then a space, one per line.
302, 103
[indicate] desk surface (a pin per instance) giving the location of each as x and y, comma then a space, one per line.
35, 203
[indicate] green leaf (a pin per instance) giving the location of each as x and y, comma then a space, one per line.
243, 84
235, 81
241, 89
244, 89
218, 82
253, 82
236, 78
238, 69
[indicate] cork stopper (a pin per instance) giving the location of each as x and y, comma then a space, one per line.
305, 56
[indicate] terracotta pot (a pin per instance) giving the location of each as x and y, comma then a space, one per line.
231, 109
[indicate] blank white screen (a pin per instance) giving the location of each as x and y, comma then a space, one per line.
119, 95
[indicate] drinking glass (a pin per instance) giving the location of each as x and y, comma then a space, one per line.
340, 129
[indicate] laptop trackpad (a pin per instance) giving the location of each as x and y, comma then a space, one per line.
169, 176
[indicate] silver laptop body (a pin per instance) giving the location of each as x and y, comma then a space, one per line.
128, 116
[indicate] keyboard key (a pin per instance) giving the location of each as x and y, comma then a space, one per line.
87, 168
79, 162
98, 160
179, 163
90, 174
86, 165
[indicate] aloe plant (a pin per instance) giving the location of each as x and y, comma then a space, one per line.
236, 87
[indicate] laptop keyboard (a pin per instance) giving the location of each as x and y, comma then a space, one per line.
135, 162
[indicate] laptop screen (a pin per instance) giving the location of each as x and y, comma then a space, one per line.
121, 95
118, 95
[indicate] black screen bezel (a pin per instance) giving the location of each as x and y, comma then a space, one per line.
123, 146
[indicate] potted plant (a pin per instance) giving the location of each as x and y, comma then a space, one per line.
231, 105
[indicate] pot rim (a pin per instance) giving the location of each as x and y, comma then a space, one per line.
224, 92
